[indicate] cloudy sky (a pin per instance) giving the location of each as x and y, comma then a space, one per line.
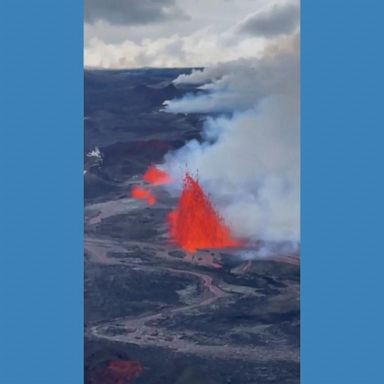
177, 33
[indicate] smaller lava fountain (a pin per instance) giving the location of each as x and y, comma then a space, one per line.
143, 194
153, 176
156, 176
195, 224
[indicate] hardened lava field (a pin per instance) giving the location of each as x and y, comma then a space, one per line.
155, 313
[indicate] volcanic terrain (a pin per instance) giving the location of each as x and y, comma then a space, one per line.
155, 313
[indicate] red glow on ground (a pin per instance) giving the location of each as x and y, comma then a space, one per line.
156, 176
143, 194
195, 224
124, 371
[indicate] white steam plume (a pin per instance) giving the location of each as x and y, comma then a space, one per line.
249, 160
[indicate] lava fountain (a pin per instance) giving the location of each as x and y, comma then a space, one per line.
156, 176
143, 194
194, 224
153, 176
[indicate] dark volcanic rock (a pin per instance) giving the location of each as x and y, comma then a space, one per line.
155, 314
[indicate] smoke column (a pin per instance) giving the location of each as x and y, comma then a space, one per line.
249, 157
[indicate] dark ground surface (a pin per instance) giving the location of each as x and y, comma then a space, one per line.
154, 314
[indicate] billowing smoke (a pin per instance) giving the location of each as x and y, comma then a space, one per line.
249, 158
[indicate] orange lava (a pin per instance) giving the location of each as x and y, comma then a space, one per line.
124, 371
195, 224
143, 194
156, 176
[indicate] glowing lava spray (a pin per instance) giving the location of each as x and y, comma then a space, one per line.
156, 176
143, 194
195, 224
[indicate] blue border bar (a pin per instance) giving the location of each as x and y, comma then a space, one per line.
342, 192
41, 269
41, 192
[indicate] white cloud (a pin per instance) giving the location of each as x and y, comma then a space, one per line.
125, 12
199, 49
210, 35
277, 18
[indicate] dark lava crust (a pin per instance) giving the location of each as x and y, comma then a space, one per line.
153, 313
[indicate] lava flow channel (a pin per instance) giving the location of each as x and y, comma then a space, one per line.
195, 224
